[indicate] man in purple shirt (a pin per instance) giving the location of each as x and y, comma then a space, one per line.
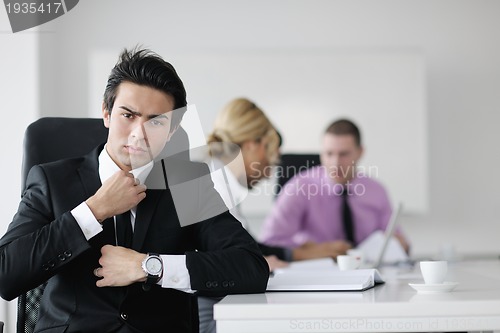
309, 209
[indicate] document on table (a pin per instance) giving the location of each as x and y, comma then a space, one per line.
322, 275
306, 265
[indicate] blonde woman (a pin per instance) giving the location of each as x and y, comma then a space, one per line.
242, 130
245, 145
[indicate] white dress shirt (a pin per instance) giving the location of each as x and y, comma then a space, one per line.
229, 188
177, 274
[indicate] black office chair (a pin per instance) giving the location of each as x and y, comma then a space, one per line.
291, 164
46, 140
53, 138
1, 326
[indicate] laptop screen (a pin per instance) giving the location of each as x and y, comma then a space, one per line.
389, 231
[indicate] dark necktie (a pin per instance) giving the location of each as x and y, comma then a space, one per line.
108, 229
124, 233
347, 218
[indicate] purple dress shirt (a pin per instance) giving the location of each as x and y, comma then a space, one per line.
309, 208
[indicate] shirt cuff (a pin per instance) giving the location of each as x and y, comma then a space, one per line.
175, 273
86, 220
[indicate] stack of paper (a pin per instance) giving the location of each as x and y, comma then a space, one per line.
321, 275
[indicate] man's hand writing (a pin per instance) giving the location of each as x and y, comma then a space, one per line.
273, 262
312, 250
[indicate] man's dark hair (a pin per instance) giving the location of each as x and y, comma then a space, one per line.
144, 67
345, 127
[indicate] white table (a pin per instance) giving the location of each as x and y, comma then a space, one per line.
392, 307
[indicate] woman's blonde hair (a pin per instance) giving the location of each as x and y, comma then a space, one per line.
240, 121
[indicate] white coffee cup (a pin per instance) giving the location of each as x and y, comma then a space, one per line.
357, 253
347, 262
434, 272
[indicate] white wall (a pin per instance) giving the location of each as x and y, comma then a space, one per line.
458, 38
19, 102
383, 91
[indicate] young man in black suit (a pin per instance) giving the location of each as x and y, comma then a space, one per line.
120, 256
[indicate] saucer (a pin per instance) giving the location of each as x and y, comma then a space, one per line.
433, 288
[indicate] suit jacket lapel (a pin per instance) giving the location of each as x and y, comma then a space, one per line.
89, 176
145, 211
91, 182
89, 172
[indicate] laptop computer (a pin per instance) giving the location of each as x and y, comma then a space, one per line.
373, 244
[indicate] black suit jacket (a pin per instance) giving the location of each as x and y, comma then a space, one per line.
44, 242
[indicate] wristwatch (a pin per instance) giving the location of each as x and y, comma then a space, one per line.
152, 265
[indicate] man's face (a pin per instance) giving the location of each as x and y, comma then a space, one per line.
139, 125
340, 154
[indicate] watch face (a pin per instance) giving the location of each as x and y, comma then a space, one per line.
153, 266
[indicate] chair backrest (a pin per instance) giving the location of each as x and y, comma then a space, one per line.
53, 138
291, 164
45, 140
